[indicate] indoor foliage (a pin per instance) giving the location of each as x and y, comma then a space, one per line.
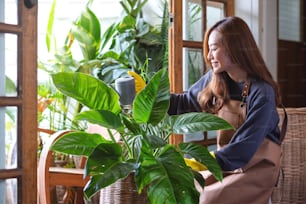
143, 148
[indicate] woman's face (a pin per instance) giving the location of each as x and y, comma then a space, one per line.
217, 54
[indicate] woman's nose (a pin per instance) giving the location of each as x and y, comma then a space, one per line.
209, 55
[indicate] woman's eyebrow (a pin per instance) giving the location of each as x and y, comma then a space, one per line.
213, 44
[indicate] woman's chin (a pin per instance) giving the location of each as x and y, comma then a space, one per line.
216, 70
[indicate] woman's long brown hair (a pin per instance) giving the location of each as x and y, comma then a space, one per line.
242, 50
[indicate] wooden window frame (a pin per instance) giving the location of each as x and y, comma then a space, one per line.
177, 44
25, 101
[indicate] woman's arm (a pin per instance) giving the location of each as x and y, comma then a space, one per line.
188, 101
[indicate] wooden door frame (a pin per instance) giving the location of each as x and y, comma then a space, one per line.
26, 103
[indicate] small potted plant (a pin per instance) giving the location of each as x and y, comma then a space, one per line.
143, 150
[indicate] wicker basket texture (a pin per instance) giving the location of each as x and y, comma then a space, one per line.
123, 192
291, 188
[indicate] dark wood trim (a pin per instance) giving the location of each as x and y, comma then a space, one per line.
229, 6
10, 173
175, 54
10, 28
175, 46
10, 101
28, 111
193, 44
303, 21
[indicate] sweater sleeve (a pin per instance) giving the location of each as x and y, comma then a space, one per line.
188, 102
261, 121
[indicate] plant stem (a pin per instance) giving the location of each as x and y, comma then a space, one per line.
127, 145
111, 135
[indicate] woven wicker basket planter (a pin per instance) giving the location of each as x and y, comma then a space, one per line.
123, 192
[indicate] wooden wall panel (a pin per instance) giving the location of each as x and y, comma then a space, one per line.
291, 73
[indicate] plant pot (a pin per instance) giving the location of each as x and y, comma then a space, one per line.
123, 192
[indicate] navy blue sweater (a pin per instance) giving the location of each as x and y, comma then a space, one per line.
261, 120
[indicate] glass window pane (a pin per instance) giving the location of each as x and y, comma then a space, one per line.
212, 147
211, 134
289, 20
199, 136
8, 191
193, 137
8, 64
193, 66
8, 145
192, 20
8, 11
215, 12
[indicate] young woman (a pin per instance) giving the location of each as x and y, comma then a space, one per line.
240, 89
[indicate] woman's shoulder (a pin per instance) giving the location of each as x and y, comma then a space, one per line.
261, 90
261, 86
207, 75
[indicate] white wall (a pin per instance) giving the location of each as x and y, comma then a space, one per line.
261, 16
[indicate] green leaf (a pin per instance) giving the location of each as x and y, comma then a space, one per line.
10, 87
103, 157
152, 103
87, 90
78, 143
131, 125
169, 178
110, 54
118, 171
103, 118
155, 141
50, 25
199, 178
11, 113
107, 36
87, 31
149, 170
88, 66
128, 22
202, 155
135, 144
196, 122
89, 21
64, 61
143, 28
86, 42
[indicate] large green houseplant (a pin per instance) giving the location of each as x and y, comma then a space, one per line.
143, 149
130, 43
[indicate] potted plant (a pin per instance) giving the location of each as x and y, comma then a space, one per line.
143, 149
